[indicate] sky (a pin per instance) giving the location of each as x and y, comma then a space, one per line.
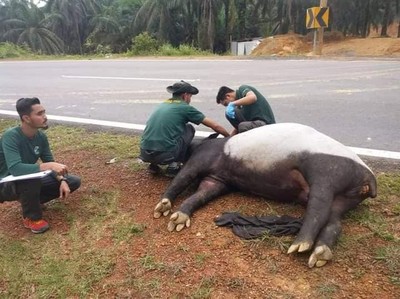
39, 3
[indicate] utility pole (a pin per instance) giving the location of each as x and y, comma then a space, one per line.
320, 32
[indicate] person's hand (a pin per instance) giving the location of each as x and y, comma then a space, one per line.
58, 168
230, 110
64, 190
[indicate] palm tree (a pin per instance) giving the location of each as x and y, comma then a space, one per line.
25, 24
156, 17
70, 21
388, 16
398, 16
209, 10
104, 27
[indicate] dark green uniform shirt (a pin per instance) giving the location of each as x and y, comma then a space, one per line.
167, 124
260, 110
19, 154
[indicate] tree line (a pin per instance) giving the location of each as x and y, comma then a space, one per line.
85, 26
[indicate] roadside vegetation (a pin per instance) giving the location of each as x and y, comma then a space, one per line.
97, 27
100, 246
142, 45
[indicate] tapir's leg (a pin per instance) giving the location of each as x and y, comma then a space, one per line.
182, 180
207, 191
316, 216
330, 233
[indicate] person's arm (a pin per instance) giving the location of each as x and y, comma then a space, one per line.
11, 149
215, 126
248, 99
48, 160
234, 132
64, 189
58, 168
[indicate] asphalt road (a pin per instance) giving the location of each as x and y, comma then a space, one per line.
356, 102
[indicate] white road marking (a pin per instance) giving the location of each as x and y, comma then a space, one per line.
127, 78
109, 101
138, 127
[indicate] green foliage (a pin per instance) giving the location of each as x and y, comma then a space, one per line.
10, 50
182, 50
144, 44
98, 49
65, 25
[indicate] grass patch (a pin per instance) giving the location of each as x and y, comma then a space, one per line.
149, 262
377, 223
125, 230
200, 258
390, 256
327, 290
38, 267
204, 290
118, 146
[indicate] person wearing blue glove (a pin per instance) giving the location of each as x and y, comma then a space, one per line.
246, 108
230, 111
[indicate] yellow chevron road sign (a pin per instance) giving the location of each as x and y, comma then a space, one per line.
317, 17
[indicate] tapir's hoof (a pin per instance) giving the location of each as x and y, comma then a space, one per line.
162, 208
300, 247
178, 221
320, 256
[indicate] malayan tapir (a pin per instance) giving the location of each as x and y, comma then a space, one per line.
285, 162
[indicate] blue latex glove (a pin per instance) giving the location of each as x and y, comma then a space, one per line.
230, 110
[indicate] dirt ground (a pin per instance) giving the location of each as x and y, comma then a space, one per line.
335, 45
206, 254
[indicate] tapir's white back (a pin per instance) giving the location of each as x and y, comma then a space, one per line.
262, 147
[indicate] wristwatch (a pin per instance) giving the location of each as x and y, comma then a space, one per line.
63, 180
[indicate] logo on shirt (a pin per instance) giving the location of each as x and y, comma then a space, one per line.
36, 150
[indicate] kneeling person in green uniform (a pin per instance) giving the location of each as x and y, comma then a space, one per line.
168, 134
246, 108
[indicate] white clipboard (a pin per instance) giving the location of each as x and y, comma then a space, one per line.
36, 175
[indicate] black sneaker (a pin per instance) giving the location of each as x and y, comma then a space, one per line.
154, 169
172, 169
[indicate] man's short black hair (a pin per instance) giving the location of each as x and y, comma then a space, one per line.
24, 105
222, 93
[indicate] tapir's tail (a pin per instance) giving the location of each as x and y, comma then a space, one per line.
373, 186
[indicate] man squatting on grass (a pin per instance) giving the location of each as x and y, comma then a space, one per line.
20, 149
168, 134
